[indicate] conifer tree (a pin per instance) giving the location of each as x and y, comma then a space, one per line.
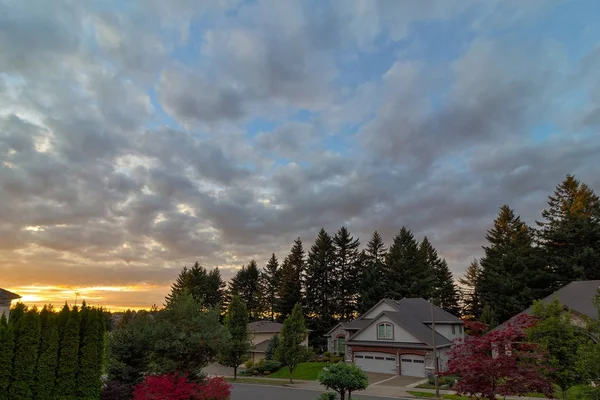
510, 269
61, 320
320, 286
215, 289
68, 360
88, 373
290, 289
25, 356
271, 277
372, 280
237, 350
346, 262
570, 232
16, 315
406, 270
444, 292
247, 284
47, 362
470, 298
7, 347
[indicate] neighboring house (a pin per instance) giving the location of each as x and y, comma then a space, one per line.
396, 337
6, 299
262, 333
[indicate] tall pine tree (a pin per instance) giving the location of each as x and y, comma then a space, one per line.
25, 356
68, 359
372, 280
471, 302
214, 295
290, 289
408, 275
444, 292
346, 262
247, 284
271, 277
88, 374
7, 349
510, 269
570, 232
45, 370
320, 287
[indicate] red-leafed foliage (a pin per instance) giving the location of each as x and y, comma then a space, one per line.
178, 387
475, 328
500, 363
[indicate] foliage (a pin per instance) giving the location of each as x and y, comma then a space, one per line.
444, 293
343, 378
500, 363
308, 371
206, 287
475, 328
25, 355
68, 360
47, 362
246, 284
290, 289
166, 387
236, 350
270, 352
468, 293
291, 351
371, 284
327, 396
271, 276
7, 347
92, 331
214, 389
116, 390
346, 263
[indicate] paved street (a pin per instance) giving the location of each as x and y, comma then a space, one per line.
242, 391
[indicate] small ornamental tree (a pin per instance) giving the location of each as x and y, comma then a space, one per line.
237, 349
500, 363
291, 351
270, 352
343, 378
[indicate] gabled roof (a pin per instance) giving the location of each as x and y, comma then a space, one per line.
262, 346
8, 296
265, 327
421, 308
578, 296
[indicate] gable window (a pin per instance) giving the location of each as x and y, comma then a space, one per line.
385, 331
341, 346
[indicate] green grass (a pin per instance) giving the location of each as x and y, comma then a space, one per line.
306, 371
257, 381
444, 396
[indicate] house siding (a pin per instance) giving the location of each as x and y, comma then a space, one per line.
5, 309
378, 310
400, 335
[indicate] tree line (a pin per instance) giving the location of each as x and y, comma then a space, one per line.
46, 355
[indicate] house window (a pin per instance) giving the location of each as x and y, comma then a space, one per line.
390, 359
460, 329
454, 329
407, 360
385, 331
341, 346
369, 357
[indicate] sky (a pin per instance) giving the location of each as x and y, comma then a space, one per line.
137, 137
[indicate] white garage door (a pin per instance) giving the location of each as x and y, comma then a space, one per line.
376, 362
412, 365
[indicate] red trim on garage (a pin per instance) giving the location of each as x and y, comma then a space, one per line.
387, 350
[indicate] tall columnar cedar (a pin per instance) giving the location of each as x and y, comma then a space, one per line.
320, 286
406, 270
61, 320
247, 284
291, 350
346, 262
372, 280
25, 356
570, 232
88, 374
468, 292
101, 340
290, 290
237, 350
509, 268
16, 316
45, 370
271, 277
444, 291
68, 360
7, 348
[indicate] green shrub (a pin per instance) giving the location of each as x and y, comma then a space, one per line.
269, 366
248, 364
327, 354
327, 396
326, 359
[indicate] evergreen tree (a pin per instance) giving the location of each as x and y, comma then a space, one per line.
320, 287
237, 350
570, 233
444, 293
7, 348
215, 289
61, 320
68, 360
247, 284
25, 356
372, 281
45, 371
273, 344
191, 279
470, 298
511, 268
406, 270
290, 289
16, 315
89, 372
291, 351
346, 262
271, 278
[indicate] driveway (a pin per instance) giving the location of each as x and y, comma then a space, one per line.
242, 391
399, 381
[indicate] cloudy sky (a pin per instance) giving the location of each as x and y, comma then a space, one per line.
139, 136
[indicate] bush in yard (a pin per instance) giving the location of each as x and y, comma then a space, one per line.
270, 353
327, 396
248, 364
166, 387
343, 378
270, 366
214, 389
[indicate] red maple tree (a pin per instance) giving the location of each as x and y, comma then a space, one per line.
500, 363
178, 387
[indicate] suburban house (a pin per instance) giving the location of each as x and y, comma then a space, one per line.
396, 337
262, 333
6, 299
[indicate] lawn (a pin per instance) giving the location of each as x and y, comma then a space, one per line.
257, 381
306, 371
444, 396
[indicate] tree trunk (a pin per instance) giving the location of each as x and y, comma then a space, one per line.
349, 394
235, 372
343, 395
291, 373
564, 393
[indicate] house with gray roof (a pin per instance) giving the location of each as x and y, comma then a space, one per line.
396, 337
6, 299
262, 333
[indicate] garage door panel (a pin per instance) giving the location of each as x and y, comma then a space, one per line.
376, 362
412, 365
